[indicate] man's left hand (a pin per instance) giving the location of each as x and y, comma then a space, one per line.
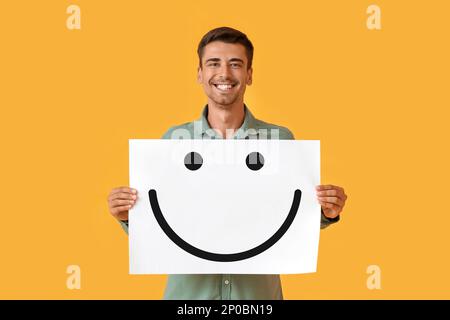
332, 199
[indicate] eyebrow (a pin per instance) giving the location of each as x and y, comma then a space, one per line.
237, 60
212, 59
231, 60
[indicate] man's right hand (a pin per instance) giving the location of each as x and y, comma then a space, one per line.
120, 200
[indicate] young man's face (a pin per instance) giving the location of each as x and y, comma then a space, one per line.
223, 72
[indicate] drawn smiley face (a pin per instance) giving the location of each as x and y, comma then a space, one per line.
193, 161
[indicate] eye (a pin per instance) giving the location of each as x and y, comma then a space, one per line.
193, 161
254, 161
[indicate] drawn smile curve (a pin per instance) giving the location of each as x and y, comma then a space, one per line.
229, 257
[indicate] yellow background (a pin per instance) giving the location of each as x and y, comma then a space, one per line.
377, 100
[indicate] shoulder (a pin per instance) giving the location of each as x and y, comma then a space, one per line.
181, 131
274, 129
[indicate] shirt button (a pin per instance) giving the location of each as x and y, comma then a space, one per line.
227, 282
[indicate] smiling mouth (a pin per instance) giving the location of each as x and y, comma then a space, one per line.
229, 257
224, 87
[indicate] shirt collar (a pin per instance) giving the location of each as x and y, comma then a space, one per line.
246, 131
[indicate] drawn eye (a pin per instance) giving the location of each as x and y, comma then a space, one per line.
254, 161
193, 161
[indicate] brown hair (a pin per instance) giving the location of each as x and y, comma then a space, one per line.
227, 35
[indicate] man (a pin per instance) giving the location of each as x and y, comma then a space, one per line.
225, 69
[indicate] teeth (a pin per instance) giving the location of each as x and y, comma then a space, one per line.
224, 86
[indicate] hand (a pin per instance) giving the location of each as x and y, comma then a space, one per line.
120, 200
332, 199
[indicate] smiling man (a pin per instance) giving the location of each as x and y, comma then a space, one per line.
225, 70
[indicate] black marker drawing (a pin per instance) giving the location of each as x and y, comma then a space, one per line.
218, 256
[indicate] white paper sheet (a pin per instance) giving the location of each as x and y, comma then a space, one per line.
224, 217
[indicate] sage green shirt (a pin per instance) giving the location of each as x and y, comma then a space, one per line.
227, 286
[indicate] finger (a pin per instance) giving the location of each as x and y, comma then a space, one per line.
328, 187
115, 191
329, 205
334, 200
323, 187
123, 196
119, 203
123, 190
120, 189
331, 213
117, 210
333, 193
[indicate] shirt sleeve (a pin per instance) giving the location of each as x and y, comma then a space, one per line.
124, 225
325, 222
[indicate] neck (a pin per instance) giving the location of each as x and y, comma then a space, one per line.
226, 119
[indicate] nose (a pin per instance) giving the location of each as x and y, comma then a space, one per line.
225, 71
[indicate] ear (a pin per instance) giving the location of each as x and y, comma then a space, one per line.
250, 77
199, 75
